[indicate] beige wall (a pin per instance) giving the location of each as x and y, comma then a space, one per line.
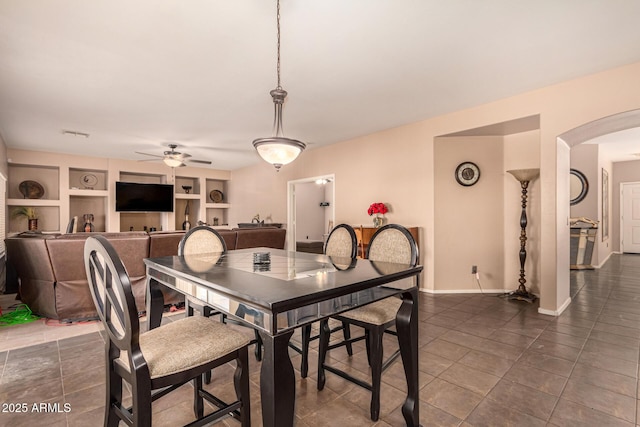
310, 222
469, 221
584, 157
396, 166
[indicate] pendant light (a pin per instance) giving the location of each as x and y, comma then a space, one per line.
277, 149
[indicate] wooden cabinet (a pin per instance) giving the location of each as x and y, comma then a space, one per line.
364, 235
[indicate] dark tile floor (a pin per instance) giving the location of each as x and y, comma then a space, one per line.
484, 361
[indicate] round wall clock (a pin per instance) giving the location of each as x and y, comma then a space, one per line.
467, 173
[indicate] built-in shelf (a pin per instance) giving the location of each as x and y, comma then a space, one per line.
32, 202
88, 193
218, 205
188, 196
76, 185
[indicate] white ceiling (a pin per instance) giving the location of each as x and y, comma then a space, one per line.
139, 74
619, 146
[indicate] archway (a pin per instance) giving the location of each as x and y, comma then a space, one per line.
610, 124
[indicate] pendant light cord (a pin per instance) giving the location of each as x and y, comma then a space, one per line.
278, 23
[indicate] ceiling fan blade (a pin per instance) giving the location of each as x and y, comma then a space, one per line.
150, 160
147, 154
206, 162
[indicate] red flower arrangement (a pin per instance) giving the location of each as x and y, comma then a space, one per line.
377, 208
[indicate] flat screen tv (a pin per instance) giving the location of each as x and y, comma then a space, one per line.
136, 197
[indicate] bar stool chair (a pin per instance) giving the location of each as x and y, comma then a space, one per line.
200, 240
394, 244
341, 244
146, 361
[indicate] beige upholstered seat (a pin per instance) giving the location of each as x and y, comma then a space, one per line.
377, 313
392, 246
389, 246
194, 342
157, 362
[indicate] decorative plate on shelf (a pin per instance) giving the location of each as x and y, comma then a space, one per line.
89, 180
216, 196
31, 189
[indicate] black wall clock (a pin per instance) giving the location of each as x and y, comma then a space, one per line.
467, 173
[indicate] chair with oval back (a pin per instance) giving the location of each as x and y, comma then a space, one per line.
201, 240
341, 246
146, 362
392, 243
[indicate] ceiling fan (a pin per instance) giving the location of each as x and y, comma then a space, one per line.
173, 158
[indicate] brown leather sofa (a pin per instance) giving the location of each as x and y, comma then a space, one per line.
52, 277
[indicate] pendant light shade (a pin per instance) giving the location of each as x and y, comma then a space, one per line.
277, 149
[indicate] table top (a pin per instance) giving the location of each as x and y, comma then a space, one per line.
294, 288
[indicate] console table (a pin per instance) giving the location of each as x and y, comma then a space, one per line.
364, 235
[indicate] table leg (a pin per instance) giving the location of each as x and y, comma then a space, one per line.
407, 327
154, 303
277, 381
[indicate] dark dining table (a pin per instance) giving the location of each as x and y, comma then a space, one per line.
281, 291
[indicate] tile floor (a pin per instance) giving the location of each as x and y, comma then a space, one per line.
484, 361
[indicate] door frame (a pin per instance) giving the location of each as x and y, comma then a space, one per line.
291, 205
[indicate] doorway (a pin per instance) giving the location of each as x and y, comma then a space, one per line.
630, 219
310, 211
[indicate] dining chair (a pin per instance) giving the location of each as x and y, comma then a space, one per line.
200, 240
157, 362
392, 243
340, 245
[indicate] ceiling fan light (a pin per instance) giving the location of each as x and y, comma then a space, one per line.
173, 163
278, 151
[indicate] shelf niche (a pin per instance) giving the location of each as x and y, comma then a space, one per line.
82, 179
137, 221
47, 176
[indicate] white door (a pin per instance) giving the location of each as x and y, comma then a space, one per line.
630, 218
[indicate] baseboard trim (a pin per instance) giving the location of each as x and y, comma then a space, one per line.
464, 291
605, 260
557, 312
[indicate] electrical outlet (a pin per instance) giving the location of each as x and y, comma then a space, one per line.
474, 269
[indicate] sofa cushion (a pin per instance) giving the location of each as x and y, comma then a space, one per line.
229, 238
67, 259
30, 259
164, 243
260, 237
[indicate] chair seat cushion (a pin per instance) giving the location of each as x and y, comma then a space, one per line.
187, 343
377, 313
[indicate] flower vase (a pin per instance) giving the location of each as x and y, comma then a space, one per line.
378, 221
